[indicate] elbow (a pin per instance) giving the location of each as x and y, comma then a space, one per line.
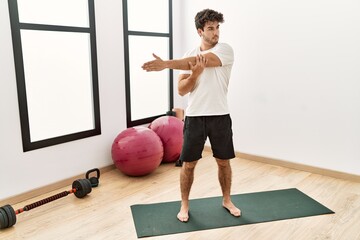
181, 93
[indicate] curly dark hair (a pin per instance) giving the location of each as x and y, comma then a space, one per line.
207, 15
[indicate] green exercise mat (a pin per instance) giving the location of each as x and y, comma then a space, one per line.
208, 213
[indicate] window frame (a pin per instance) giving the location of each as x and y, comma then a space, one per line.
16, 27
127, 33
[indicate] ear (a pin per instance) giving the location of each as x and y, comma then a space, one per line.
200, 32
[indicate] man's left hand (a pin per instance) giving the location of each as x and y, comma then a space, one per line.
155, 65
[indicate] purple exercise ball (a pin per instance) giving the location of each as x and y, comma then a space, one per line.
170, 131
137, 151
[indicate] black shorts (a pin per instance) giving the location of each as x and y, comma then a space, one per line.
197, 129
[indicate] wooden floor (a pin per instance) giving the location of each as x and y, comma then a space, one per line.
105, 213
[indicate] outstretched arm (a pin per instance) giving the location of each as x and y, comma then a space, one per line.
187, 81
180, 64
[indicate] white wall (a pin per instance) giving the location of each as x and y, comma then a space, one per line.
178, 47
21, 172
294, 92
295, 87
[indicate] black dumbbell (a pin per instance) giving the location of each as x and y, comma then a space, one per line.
80, 188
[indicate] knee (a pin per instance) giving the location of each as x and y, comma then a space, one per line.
189, 166
223, 163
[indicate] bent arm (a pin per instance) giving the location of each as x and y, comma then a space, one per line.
187, 82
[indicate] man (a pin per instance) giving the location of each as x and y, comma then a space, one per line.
205, 77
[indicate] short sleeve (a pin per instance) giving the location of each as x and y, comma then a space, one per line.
225, 53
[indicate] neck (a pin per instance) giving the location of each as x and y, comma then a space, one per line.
205, 46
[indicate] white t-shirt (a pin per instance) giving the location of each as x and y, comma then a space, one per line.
209, 96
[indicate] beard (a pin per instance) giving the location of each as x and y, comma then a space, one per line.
211, 41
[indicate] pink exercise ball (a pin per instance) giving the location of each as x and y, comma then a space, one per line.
137, 151
170, 131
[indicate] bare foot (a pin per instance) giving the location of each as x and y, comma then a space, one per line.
232, 209
183, 215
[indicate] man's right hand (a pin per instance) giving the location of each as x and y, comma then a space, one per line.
200, 64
